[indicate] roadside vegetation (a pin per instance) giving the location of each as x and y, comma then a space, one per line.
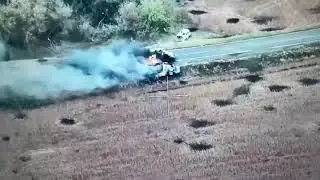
24, 23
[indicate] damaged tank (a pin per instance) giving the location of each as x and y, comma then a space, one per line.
161, 60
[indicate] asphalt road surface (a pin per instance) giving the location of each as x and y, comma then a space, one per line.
241, 48
248, 47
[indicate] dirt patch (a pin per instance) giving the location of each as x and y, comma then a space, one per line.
222, 102
309, 81
67, 121
200, 146
242, 90
6, 138
198, 12
261, 20
233, 20
269, 108
253, 78
178, 140
269, 29
201, 123
278, 88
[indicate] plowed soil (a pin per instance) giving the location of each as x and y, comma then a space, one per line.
209, 131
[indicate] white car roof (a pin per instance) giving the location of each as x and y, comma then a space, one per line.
185, 30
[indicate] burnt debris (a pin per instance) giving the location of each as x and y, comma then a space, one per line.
197, 12
222, 102
200, 146
67, 121
195, 123
309, 81
6, 138
233, 20
278, 88
269, 108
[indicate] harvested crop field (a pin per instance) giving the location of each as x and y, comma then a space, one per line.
266, 128
245, 16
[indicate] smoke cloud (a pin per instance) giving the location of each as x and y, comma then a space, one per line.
81, 71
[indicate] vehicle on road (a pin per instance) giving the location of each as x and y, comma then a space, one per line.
184, 35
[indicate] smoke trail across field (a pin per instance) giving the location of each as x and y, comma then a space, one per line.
82, 71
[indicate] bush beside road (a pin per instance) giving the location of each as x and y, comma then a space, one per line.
26, 23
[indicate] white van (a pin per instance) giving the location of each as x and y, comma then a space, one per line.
184, 35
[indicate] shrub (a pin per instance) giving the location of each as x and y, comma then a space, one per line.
94, 19
96, 11
96, 34
26, 21
149, 18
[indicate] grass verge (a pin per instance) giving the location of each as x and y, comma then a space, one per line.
253, 64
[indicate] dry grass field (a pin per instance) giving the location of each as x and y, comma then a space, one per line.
235, 129
246, 16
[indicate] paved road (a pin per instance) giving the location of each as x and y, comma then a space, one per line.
249, 47
241, 48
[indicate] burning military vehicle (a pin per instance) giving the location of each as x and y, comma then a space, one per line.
162, 61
